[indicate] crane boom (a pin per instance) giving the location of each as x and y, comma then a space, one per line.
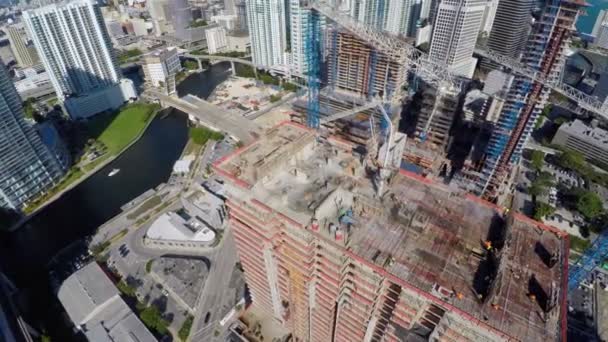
437, 74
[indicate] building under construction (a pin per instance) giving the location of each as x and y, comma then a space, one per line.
357, 73
437, 109
545, 52
332, 257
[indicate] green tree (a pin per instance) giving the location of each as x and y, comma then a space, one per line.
152, 318
537, 160
149, 265
125, 289
275, 98
245, 71
541, 184
191, 65
542, 209
572, 160
200, 135
184, 330
290, 87
198, 23
590, 205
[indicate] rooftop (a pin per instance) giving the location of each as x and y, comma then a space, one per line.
95, 306
579, 129
436, 240
175, 227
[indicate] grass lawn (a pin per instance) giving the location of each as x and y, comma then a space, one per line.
118, 131
115, 131
191, 148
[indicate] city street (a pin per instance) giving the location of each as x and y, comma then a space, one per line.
222, 291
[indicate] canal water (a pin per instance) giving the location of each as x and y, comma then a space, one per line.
585, 22
25, 252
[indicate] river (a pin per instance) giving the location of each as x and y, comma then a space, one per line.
585, 22
79, 212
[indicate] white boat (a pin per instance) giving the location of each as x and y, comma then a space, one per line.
113, 172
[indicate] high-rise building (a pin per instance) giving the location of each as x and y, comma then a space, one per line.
331, 260
216, 39
358, 68
75, 48
600, 30
23, 50
181, 17
371, 12
403, 16
159, 12
489, 15
241, 15
511, 27
27, 167
527, 98
160, 68
299, 21
267, 22
455, 33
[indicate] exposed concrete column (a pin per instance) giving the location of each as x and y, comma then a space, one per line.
255, 72
233, 68
200, 64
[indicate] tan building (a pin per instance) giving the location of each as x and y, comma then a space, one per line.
23, 50
332, 259
160, 68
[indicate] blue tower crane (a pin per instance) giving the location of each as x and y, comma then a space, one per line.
313, 57
590, 259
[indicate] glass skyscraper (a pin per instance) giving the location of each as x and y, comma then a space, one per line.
27, 167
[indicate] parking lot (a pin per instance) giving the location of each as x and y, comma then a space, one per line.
182, 277
132, 268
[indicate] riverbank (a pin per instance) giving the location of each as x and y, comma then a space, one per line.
118, 136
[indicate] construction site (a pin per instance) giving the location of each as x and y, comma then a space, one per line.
339, 246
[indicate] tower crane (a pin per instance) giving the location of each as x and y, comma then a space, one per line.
437, 74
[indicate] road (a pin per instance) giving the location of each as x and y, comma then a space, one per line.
223, 58
213, 116
218, 296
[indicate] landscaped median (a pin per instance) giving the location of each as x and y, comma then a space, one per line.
115, 132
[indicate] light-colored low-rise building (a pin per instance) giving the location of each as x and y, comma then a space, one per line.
216, 40
34, 85
179, 230
109, 98
207, 207
160, 68
94, 305
591, 141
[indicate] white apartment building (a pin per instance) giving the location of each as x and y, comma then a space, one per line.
75, 49
299, 20
229, 22
455, 33
370, 12
160, 68
402, 17
216, 40
268, 29
600, 30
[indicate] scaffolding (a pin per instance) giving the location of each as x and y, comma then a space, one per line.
591, 259
526, 96
437, 74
